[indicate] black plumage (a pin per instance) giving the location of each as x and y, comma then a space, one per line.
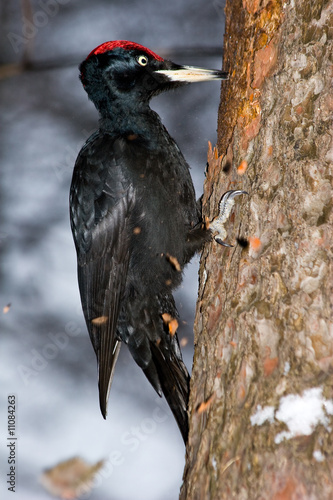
135, 219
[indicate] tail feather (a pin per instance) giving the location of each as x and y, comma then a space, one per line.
175, 383
152, 375
163, 366
157, 351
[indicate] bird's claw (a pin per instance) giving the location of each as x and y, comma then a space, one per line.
225, 206
221, 242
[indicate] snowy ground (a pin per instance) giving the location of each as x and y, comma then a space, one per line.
46, 358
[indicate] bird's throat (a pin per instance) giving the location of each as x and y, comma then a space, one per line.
123, 120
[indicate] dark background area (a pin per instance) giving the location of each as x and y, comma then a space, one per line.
46, 357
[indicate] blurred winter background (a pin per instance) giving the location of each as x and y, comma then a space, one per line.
47, 360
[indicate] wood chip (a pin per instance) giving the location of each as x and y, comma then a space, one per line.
203, 407
5, 310
70, 479
242, 167
173, 325
166, 318
174, 262
100, 320
171, 322
255, 243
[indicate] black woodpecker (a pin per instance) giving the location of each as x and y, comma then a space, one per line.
135, 219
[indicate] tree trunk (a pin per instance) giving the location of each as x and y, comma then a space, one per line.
261, 405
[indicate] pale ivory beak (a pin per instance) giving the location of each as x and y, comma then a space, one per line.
191, 74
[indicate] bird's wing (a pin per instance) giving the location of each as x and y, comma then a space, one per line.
101, 202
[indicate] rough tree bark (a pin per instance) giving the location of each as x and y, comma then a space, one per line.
261, 405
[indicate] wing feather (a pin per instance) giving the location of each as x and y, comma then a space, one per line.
101, 204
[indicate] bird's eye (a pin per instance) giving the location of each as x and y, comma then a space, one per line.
142, 60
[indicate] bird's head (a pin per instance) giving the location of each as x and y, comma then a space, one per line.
127, 71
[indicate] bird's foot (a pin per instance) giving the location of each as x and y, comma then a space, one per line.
217, 224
